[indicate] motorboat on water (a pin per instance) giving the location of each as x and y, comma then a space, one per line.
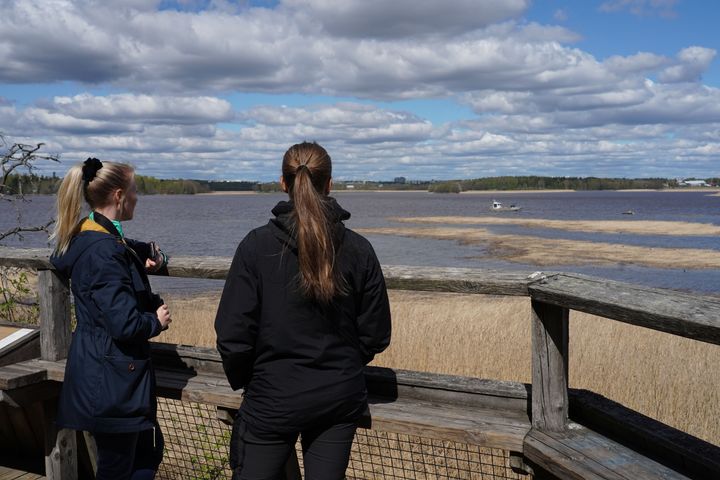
499, 207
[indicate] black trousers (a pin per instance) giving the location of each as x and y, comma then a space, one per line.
271, 456
129, 456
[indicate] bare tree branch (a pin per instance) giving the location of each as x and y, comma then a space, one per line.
20, 155
20, 230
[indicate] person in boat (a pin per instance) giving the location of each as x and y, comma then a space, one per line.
109, 385
303, 310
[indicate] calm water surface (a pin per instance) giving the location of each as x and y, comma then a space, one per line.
214, 224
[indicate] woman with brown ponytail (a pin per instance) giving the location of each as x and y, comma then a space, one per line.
303, 311
109, 386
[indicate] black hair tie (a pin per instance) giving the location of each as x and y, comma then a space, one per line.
90, 168
303, 166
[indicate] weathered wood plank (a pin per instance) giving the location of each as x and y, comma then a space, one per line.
579, 453
12, 474
55, 335
458, 280
30, 258
380, 381
435, 279
20, 375
60, 447
475, 426
686, 315
185, 357
24, 437
549, 366
27, 395
199, 267
662, 443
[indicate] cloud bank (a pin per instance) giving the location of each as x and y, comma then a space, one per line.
540, 105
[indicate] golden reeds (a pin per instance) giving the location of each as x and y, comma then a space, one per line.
669, 378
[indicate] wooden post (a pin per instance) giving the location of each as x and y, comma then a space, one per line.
60, 447
549, 366
55, 332
55, 335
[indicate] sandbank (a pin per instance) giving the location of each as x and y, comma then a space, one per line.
553, 252
232, 192
638, 227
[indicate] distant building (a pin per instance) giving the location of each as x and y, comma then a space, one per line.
694, 183
399, 180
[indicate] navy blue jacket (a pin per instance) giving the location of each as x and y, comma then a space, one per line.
109, 381
301, 362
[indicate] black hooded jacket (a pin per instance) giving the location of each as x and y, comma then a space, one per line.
300, 362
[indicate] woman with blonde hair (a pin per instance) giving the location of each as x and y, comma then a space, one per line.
109, 385
304, 309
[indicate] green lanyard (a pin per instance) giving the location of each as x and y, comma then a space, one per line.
114, 222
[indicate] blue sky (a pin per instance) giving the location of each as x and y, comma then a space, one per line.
421, 89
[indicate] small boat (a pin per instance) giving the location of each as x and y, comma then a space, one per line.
499, 207
628, 212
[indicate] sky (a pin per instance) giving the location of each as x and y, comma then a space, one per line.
219, 89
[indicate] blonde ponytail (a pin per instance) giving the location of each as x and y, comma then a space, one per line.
69, 208
97, 192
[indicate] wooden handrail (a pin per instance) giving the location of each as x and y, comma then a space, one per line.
687, 315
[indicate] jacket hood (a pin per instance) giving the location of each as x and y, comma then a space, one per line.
283, 225
90, 233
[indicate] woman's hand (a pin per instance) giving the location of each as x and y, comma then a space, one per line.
156, 260
163, 314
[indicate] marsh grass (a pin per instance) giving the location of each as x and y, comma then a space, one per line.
554, 252
672, 379
635, 227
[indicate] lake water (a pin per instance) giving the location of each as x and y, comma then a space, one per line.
214, 224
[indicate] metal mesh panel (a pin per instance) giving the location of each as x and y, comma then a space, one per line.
385, 455
196, 442
196, 447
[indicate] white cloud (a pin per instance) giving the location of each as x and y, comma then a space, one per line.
692, 62
146, 108
403, 18
641, 63
663, 8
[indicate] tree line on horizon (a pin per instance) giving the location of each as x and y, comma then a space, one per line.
39, 184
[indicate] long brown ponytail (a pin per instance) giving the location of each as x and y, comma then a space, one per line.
97, 193
307, 169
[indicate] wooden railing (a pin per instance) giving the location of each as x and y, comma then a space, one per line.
544, 425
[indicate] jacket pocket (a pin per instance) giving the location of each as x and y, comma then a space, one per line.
125, 388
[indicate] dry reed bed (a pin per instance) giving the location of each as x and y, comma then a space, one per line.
555, 252
669, 378
635, 227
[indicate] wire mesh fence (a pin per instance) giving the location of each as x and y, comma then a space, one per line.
196, 447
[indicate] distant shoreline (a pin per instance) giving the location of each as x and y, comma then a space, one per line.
713, 190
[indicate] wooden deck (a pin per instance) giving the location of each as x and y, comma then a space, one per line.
550, 430
10, 474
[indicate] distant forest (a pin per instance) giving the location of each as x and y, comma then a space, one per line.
552, 183
34, 184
